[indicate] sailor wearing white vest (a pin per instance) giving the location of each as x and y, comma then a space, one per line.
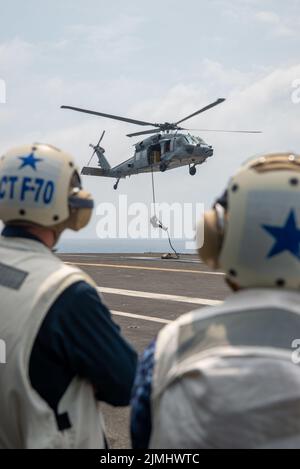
224, 377
64, 353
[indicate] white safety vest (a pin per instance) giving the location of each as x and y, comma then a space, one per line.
229, 376
31, 279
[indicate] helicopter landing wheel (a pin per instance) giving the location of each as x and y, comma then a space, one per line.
117, 184
163, 167
193, 170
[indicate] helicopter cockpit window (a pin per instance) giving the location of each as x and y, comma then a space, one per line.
191, 139
180, 141
199, 140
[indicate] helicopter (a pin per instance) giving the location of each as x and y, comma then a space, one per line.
169, 148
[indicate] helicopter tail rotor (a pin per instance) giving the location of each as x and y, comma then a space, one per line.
102, 161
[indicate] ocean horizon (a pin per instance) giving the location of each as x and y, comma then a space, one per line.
121, 246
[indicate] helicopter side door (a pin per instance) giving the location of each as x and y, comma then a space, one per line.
165, 147
154, 154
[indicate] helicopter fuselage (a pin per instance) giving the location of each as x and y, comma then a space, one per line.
160, 152
169, 148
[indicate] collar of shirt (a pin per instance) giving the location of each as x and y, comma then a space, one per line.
252, 298
18, 232
262, 297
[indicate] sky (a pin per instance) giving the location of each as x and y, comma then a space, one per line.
156, 61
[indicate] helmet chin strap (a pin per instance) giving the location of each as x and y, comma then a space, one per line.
232, 285
57, 231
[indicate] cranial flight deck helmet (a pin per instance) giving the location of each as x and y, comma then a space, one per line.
253, 230
40, 185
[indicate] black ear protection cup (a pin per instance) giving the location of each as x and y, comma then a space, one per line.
213, 228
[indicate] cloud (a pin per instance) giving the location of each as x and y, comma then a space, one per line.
116, 40
16, 54
280, 26
278, 22
81, 49
268, 17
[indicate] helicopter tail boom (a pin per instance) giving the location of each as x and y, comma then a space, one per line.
108, 173
103, 163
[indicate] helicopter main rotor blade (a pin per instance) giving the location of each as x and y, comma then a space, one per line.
229, 131
101, 138
145, 132
109, 116
206, 108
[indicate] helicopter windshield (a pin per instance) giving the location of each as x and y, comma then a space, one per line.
180, 141
193, 140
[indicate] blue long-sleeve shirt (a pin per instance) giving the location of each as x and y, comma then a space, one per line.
79, 338
141, 423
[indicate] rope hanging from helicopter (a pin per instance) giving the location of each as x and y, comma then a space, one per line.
156, 223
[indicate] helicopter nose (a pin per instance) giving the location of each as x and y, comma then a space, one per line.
204, 150
190, 148
209, 150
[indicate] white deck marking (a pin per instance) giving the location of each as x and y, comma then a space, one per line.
159, 296
181, 260
138, 267
139, 316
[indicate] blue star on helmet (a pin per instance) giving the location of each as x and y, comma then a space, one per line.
287, 237
29, 160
